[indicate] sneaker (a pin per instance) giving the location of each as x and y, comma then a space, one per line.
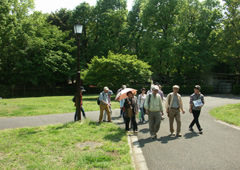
179, 135
135, 131
200, 132
172, 134
154, 136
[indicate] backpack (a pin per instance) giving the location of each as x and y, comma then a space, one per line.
98, 100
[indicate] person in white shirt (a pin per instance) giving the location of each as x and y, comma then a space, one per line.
141, 100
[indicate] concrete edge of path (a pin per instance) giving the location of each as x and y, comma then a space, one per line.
227, 124
136, 153
138, 160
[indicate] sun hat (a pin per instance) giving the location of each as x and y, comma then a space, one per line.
197, 87
176, 87
106, 88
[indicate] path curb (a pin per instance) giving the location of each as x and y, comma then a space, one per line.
227, 124
137, 154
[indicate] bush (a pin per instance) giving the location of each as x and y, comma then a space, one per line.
236, 89
115, 70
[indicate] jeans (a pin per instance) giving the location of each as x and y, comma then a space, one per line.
196, 114
142, 114
76, 116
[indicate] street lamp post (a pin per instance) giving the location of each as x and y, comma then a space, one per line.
78, 30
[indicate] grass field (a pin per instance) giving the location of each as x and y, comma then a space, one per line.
46, 105
229, 113
70, 146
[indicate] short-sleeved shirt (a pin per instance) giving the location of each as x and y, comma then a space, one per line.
104, 97
194, 97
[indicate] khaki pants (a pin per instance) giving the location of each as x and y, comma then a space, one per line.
106, 108
174, 113
154, 122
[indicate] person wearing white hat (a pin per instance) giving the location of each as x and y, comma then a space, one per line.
154, 109
173, 106
104, 104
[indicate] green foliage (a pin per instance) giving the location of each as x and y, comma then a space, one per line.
115, 70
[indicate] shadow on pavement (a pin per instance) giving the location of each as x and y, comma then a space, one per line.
145, 130
190, 135
142, 142
166, 139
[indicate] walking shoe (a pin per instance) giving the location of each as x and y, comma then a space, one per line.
154, 136
191, 129
200, 132
172, 134
179, 135
135, 131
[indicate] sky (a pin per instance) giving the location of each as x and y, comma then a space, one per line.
48, 6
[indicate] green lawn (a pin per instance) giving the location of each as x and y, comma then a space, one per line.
46, 105
70, 146
229, 113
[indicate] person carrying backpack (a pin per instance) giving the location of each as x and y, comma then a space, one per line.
81, 107
104, 104
154, 109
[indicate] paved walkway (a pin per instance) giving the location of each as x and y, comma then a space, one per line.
32, 121
218, 148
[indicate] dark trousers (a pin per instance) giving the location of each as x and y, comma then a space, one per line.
196, 114
133, 121
76, 116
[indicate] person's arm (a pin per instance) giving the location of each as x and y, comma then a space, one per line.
191, 104
146, 106
167, 103
161, 106
181, 104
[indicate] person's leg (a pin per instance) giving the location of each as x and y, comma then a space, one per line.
158, 118
108, 113
83, 112
142, 115
178, 120
135, 128
127, 120
151, 123
171, 119
75, 116
104, 116
102, 108
193, 121
197, 114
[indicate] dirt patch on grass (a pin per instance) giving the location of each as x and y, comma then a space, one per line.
88, 145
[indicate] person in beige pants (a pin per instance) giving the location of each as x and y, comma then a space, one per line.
173, 107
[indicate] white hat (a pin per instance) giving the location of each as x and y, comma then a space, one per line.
155, 88
106, 88
176, 87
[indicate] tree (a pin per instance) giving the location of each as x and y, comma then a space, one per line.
117, 69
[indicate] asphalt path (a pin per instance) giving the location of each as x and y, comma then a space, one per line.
218, 148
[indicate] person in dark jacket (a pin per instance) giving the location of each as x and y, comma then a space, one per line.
81, 107
130, 109
196, 104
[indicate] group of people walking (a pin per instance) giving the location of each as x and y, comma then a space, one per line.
151, 103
